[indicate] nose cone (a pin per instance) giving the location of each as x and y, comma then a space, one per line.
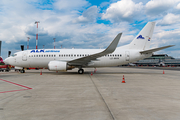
6, 61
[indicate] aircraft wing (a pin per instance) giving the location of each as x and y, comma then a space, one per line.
109, 49
155, 49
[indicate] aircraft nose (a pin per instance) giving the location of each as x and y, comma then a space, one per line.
6, 61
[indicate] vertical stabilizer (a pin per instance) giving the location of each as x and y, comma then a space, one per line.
143, 39
0, 47
1, 60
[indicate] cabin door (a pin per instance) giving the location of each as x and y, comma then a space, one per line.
24, 56
127, 56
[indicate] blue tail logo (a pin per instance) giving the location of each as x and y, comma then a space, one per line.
140, 37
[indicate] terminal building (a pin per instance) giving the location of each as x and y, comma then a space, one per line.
158, 60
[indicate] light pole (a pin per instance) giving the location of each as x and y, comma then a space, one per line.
36, 22
28, 42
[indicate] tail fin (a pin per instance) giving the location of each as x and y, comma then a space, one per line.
142, 40
1, 60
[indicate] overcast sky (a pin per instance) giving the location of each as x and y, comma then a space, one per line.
87, 23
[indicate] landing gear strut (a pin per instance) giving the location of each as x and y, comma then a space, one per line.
81, 71
22, 71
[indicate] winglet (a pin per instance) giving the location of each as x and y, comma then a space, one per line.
113, 44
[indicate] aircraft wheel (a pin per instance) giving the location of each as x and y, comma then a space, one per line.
22, 71
80, 71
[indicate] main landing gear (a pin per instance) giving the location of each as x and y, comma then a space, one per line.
22, 71
81, 71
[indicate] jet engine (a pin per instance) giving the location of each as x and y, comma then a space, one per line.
57, 66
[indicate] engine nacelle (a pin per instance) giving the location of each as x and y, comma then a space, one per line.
57, 66
18, 68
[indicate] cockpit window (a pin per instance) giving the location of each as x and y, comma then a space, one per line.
14, 55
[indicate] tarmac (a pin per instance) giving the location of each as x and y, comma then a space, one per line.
148, 94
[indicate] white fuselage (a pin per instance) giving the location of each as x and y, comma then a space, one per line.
41, 57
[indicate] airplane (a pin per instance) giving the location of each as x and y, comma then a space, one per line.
68, 59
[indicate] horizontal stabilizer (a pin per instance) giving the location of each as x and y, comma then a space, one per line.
156, 49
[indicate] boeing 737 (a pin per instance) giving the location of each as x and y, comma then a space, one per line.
67, 59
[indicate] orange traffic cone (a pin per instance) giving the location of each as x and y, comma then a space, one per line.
123, 79
41, 72
91, 73
163, 72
